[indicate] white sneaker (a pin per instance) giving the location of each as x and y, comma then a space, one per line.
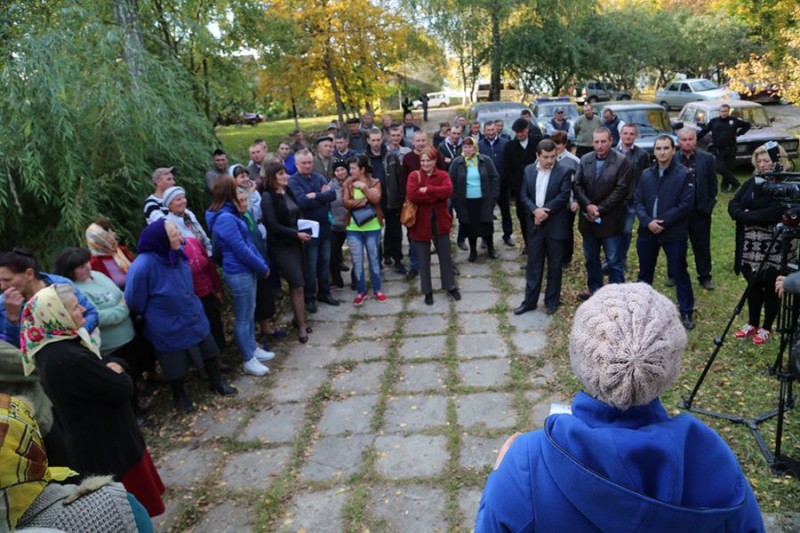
254, 368
263, 355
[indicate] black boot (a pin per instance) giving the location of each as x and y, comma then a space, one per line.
179, 398
492, 251
215, 378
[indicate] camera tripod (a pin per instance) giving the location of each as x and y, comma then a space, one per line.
787, 322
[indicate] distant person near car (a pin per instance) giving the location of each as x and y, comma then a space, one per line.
219, 169
583, 127
724, 130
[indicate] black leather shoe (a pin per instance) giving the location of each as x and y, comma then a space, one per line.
462, 245
429, 299
493, 253
473, 256
344, 268
328, 299
311, 307
582, 297
456, 271
707, 284
508, 241
524, 308
412, 273
400, 269
455, 293
688, 323
670, 282
223, 389
552, 310
183, 404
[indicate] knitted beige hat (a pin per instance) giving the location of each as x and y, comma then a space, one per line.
626, 344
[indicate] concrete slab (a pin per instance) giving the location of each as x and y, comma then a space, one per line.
531, 321
391, 307
432, 347
351, 415
478, 323
468, 502
474, 284
365, 378
335, 457
291, 385
229, 516
472, 302
480, 345
372, 327
404, 457
485, 409
484, 372
254, 470
478, 453
310, 356
277, 424
419, 377
530, 343
187, 467
215, 424
413, 413
315, 511
441, 303
426, 325
410, 508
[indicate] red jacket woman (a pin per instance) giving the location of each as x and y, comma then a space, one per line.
430, 188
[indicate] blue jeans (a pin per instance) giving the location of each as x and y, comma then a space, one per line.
413, 256
627, 233
243, 292
594, 269
358, 241
647, 246
316, 266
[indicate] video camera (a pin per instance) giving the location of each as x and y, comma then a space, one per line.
783, 186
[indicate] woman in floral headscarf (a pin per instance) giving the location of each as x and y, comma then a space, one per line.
91, 396
108, 257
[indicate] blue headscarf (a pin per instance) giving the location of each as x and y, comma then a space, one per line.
154, 239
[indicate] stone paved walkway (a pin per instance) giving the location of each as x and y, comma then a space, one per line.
389, 419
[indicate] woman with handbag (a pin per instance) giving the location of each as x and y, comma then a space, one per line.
361, 196
430, 188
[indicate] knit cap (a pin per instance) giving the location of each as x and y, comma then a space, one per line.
171, 194
626, 344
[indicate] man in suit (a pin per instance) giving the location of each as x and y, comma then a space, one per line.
545, 194
518, 154
601, 188
492, 145
664, 202
703, 174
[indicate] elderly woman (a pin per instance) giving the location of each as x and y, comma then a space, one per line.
361, 191
756, 214
91, 396
477, 186
108, 257
160, 289
430, 188
20, 279
281, 213
242, 264
197, 247
619, 461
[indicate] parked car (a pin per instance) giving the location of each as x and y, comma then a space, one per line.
508, 93
681, 92
505, 111
763, 93
697, 114
544, 109
651, 120
434, 100
251, 118
600, 91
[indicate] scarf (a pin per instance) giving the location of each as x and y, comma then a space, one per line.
154, 239
45, 320
190, 228
24, 472
101, 243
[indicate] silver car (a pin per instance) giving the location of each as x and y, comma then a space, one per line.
681, 92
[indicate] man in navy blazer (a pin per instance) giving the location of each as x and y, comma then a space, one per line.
544, 193
663, 202
703, 174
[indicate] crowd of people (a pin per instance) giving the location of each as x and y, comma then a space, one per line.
106, 318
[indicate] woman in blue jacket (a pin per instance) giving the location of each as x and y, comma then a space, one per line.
159, 287
242, 264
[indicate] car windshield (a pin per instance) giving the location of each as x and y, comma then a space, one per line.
647, 120
703, 85
756, 116
549, 110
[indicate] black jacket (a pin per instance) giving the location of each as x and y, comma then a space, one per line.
516, 158
93, 404
556, 198
608, 192
672, 195
639, 160
724, 132
490, 188
279, 219
705, 180
750, 207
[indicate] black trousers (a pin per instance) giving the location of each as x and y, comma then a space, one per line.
726, 161
504, 203
524, 217
700, 237
540, 247
569, 242
393, 235
337, 241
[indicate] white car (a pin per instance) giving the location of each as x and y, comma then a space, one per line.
434, 100
681, 92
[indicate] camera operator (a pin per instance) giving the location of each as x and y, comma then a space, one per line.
756, 213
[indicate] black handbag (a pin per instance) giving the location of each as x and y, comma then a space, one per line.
362, 215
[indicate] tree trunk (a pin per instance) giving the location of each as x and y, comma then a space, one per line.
494, 88
294, 115
127, 17
334, 86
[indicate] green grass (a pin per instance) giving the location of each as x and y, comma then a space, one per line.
237, 139
736, 384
